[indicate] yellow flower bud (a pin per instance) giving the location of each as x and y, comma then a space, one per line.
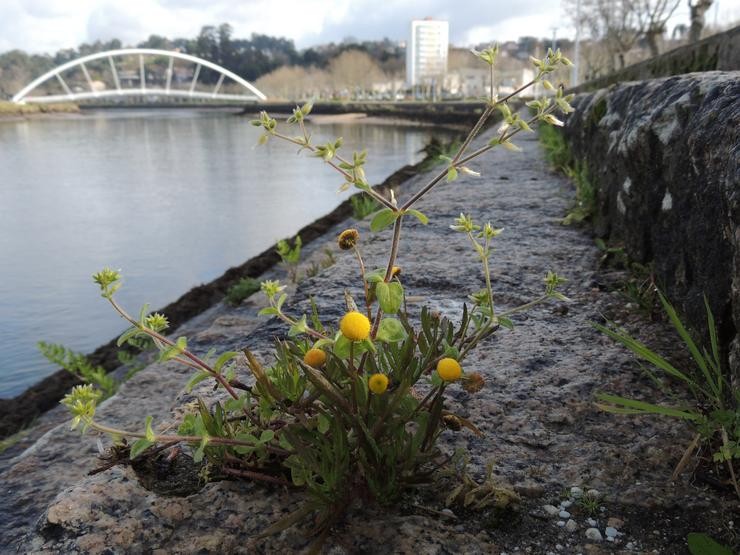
355, 326
315, 358
449, 369
378, 383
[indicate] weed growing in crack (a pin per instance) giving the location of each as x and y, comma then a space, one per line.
350, 408
242, 289
715, 412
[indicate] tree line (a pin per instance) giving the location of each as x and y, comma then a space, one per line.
250, 57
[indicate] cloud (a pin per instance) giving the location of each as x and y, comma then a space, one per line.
48, 25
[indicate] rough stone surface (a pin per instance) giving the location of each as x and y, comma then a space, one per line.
664, 156
536, 412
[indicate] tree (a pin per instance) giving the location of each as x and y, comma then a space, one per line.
697, 11
652, 16
354, 71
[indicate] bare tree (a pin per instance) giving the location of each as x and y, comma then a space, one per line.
653, 16
614, 23
353, 72
697, 11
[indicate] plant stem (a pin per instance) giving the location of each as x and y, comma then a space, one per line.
347, 176
364, 281
389, 269
157, 336
188, 439
525, 306
256, 476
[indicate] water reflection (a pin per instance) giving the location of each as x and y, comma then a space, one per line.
173, 198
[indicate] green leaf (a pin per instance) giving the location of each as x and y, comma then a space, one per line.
149, 432
195, 380
451, 174
268, 311
200, 452
138, 447
128, 334
622, 405
342, 346
223, 359
300, 327
390, 296
323, 423
382, 219
391, 330
418, 215
505, 322
702, 544
266, 435
375, 276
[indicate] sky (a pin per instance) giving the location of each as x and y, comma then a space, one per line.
48, 25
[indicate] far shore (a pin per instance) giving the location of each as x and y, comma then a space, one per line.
12, 111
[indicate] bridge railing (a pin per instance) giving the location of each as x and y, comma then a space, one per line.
141, 80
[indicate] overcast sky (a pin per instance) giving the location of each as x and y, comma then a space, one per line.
48, 25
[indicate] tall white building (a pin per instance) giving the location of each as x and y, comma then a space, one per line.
426, 52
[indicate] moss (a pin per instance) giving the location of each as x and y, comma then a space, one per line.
598, 112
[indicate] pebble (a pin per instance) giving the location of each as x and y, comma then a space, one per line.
594, 493
609, 539
561, 523
558, 547
566, 504
448, 512
551, 510
576, 492
594, 534
611, 532
564, 514
615, 522
629, 545
591, 522
571, 525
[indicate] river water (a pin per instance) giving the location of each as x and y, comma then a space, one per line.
173, 198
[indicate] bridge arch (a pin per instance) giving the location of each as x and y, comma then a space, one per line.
23, 97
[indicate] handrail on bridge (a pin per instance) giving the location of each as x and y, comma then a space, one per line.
22, 96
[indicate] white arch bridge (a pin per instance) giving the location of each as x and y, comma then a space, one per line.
138, 72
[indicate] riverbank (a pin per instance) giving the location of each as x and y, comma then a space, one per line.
540, 426
11, 110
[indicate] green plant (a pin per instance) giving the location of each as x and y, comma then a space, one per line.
78, 365
639, 287
242, 289
438, 152
589, 503
290, 256
557, 150
326, 262
702, 544
558, 153
585, 203
714, 414
363, 205
352, 407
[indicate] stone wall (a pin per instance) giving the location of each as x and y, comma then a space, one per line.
663, 155
718, 52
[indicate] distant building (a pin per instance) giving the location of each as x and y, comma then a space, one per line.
426, 52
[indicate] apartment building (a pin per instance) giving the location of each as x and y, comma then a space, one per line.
426, 52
